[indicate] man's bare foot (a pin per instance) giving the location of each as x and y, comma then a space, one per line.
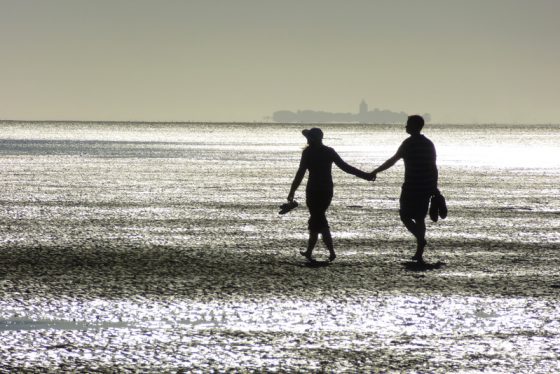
418, 258
332, 256
419, 251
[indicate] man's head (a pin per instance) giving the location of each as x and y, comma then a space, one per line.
314, 135
414, 124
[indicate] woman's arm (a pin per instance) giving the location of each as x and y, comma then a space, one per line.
298, 178
350, 169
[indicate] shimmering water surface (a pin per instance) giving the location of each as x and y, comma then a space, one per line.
158, 248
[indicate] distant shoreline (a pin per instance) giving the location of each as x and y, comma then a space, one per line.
325, 124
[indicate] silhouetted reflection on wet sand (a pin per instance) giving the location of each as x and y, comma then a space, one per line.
422, 266
133, 270
316, 264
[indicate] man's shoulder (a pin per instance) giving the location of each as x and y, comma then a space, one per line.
425, 138
415, 144
407, 142
428, 142
420, 138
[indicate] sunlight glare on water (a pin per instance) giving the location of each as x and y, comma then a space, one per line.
158, 247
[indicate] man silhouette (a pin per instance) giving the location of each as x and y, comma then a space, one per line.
420, 180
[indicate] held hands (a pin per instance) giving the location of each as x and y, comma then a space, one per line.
372, 176
369, 177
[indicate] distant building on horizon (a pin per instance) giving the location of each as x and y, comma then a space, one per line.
364, 115
363, 107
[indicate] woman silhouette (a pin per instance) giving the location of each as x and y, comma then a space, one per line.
318, 159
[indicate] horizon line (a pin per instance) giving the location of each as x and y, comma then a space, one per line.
274, 122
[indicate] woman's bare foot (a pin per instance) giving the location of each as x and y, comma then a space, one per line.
306, 254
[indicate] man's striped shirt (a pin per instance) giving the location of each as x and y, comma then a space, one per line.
419, 155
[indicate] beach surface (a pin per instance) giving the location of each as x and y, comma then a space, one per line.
158, 248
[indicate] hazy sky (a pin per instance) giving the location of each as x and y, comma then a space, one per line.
239, 60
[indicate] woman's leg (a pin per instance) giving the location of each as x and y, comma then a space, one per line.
327, 239
318, 202
313, 236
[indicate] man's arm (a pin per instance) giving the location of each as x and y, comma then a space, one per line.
387, 164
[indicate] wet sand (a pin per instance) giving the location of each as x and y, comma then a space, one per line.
112, 261
244, 307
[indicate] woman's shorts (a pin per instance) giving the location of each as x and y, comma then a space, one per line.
318, 201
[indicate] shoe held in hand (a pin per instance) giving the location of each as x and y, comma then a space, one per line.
285, 208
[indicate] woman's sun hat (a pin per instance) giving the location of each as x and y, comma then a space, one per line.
313, 134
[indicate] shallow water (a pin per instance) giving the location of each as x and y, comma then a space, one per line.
158, 247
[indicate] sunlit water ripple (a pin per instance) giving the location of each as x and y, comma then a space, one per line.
158, 248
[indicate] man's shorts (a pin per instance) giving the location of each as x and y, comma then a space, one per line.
414, 204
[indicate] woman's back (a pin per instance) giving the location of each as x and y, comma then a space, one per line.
318, 159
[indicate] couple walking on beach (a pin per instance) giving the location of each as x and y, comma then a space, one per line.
420, 184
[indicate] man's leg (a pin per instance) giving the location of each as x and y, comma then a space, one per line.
420, 239
413, 211
411, 225
417, 227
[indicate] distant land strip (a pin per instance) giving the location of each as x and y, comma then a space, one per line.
364, 115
